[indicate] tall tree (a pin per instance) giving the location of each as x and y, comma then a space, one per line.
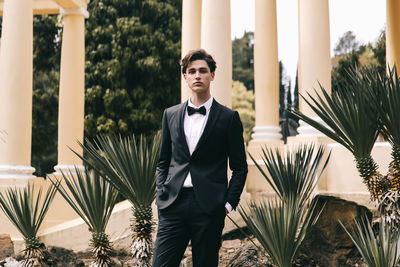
373, 55
346, 44
46, 65
296, 91
379, 50
132, 69
242, 60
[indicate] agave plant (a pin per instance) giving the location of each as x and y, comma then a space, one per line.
130, 166
280, 227
354, 115
93, 199
295, 175
380, 250
26, 210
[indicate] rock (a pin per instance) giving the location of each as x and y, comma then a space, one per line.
247, 256
328, 244
6, 246
10, 262
231, 243
187, 262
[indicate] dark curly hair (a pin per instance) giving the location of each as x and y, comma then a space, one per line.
198, 54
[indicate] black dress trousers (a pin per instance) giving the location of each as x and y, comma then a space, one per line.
183, 221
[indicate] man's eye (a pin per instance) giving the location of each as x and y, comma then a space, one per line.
192, 72
203, 71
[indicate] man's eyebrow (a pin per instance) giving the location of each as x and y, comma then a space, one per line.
201, 68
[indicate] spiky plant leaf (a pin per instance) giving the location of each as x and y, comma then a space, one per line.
348, 113
280, 227
26, 209
295, 174
385, 94
129, 165
93, 199
380, 250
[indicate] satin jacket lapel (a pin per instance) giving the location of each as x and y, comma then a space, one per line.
181, 129
212, 119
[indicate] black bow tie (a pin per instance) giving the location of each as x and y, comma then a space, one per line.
192, 110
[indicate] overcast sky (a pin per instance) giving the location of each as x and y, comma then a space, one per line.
366, 18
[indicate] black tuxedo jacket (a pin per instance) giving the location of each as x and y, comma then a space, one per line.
222, 138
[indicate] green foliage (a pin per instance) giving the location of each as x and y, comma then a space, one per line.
295, 174
25, 208
379, 51
132, 67
93, 199
130, 166
243, 60
346, 44
243, 102
378, 250
127, 163
338, 73
281, 225
287, 123
347, 113
351, 54
46, 64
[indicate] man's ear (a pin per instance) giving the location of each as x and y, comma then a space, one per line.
184, 75
212, 76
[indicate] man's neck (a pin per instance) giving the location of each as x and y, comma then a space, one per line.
198, 99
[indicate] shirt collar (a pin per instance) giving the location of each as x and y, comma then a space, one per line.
207, 104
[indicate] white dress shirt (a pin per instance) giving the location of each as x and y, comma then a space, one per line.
194, 126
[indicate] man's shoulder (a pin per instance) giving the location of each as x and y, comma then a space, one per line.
224, 109
175, 108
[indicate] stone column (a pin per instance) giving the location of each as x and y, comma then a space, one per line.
314, 55
266, 73
191, 35
16, 89
393, 34
216, 40
72, 88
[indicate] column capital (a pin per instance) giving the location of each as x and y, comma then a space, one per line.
74, 11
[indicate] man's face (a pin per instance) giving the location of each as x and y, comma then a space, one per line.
198, 76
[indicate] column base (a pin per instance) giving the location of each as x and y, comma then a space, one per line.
266, 134
306, 130
66, 169
16, 172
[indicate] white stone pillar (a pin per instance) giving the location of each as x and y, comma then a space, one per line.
216, 40
16, 89
191, 35
72, 89
266, 73
393, 34
314, 55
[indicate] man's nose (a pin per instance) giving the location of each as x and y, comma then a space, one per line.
197, 74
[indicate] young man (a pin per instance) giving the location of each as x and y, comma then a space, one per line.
193, 194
